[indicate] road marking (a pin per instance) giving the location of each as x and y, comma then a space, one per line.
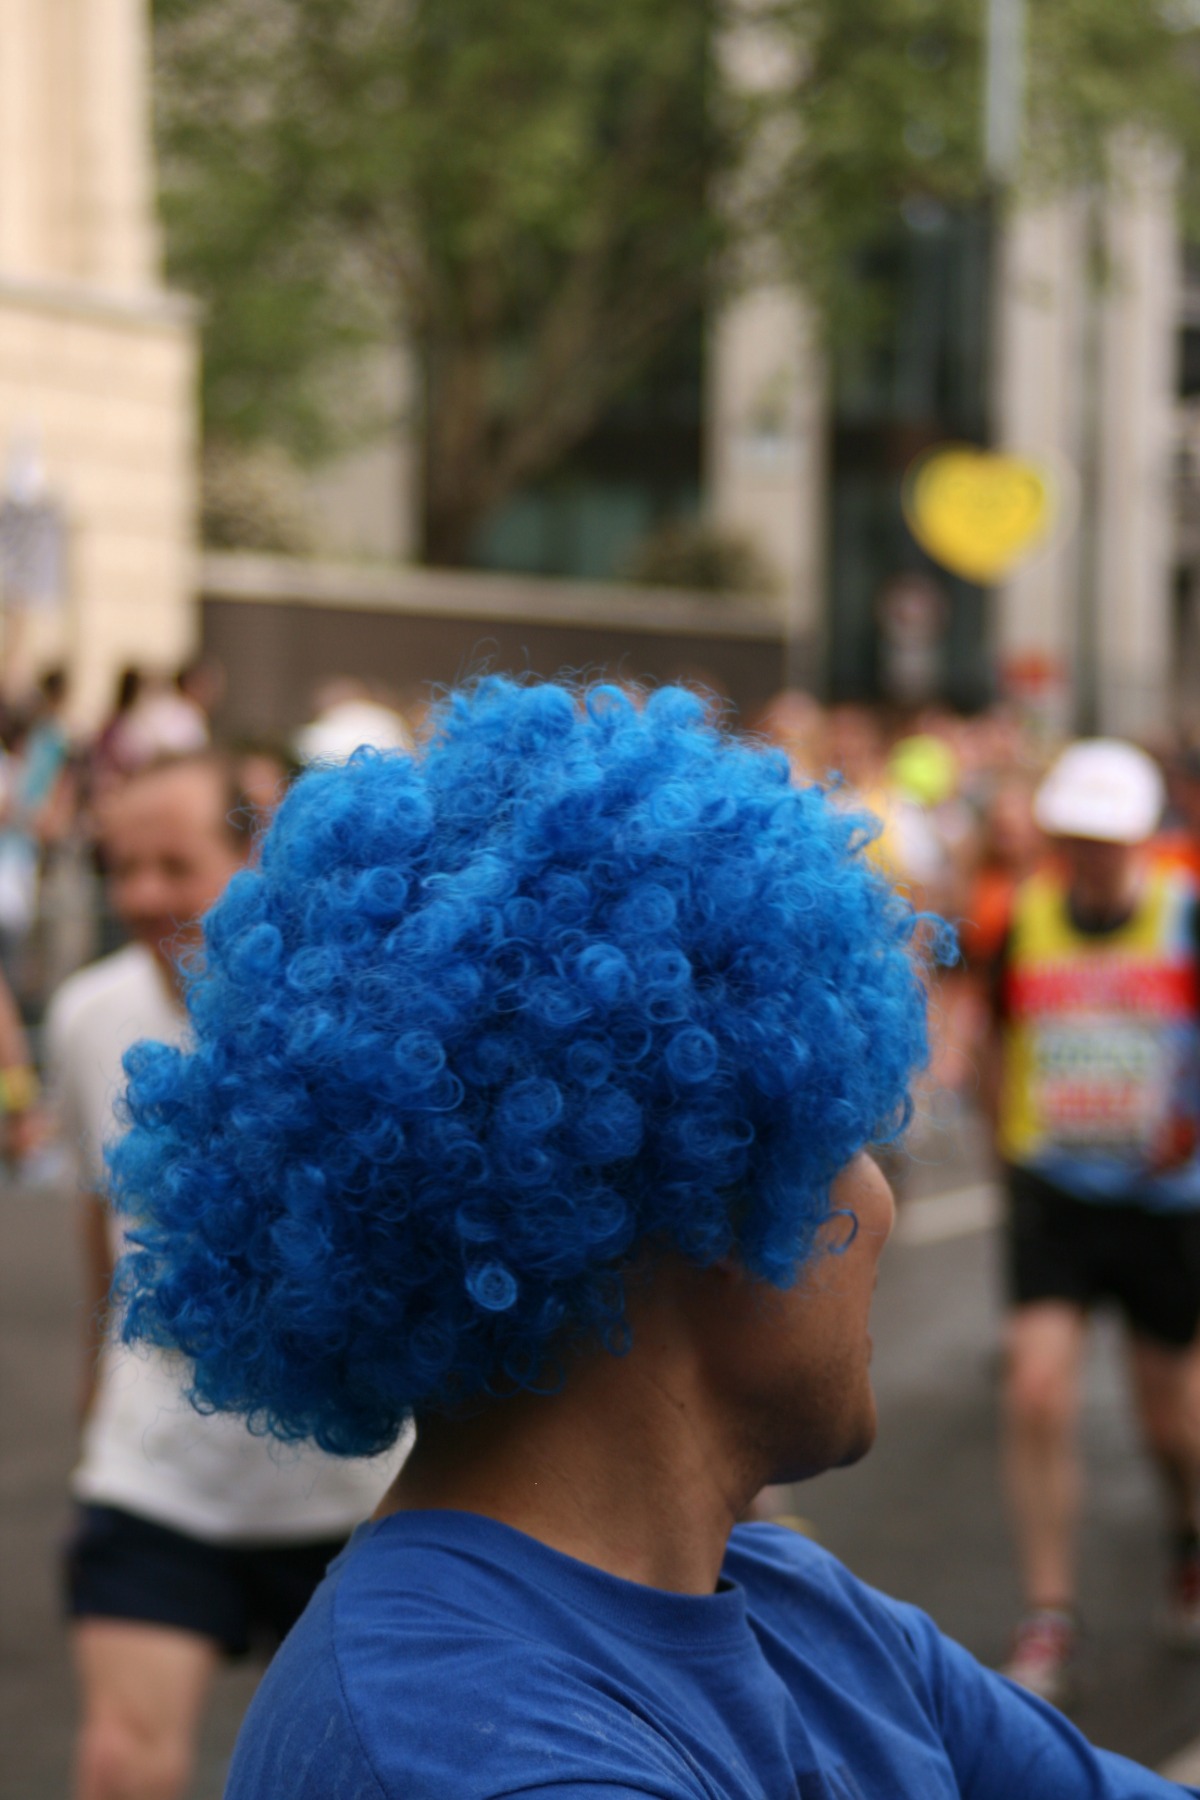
935, 1217
1184, 1766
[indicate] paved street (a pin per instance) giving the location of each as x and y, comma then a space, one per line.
38, 1380
921, 1516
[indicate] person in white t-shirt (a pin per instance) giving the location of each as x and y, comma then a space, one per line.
194, 1538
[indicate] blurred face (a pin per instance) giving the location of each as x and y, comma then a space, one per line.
852, 745
170, 855
263, 780
1101, 874
797, 1362
1011, 833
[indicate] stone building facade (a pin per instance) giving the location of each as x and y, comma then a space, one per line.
97, 360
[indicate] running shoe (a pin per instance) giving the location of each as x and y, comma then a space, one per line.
1043, 1654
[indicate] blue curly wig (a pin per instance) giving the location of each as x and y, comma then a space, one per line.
584, 976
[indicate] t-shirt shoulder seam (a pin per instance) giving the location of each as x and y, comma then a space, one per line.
368, 1759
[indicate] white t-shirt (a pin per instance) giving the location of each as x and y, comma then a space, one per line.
145, 1448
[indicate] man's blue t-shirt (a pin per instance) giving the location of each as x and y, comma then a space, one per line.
447, 1657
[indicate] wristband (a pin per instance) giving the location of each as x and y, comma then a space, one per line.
18, 1088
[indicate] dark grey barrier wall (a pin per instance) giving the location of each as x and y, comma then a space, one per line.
307, 623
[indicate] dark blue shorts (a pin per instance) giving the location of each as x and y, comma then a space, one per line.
1086, 1252
121, 1566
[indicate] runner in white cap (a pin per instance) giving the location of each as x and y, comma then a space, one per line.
1097, 997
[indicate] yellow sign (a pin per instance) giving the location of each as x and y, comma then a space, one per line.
976, 512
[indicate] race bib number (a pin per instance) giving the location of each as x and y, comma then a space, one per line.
1106, 1086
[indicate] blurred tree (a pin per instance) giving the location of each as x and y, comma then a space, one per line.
533, 194
518, 189
886, 113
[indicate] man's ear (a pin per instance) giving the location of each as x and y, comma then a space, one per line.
839, 1230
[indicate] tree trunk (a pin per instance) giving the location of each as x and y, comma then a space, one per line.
455, 500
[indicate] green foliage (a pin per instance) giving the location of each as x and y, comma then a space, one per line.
535, 193
251, 499
689, 553
519, 189
886, 102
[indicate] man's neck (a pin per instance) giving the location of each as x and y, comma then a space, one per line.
623, 1469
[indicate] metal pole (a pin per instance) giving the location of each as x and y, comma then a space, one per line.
1087, 651
1003, 89
1003, 115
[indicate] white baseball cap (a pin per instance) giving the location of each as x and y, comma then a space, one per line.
1102, 788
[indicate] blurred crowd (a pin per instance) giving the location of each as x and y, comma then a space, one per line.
55, 787
953, 794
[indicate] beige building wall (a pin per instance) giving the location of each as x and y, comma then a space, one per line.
76, 174
97, 362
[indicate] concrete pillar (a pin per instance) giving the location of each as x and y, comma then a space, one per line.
766, 464
1086, 371
118, 246
21, 85
1039, 339
58, 155
765, 388
76, 165
1139, 316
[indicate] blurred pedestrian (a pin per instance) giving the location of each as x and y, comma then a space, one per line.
19, 865
794, 721
194, 1538
265, 771
202, 682
113, 754
1010, 847
1179, 843
45, 761
348, 715
41, 791
21, 1122
163, 721
855, 748
1098, 1002
925, 823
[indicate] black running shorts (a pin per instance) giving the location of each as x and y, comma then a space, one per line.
121, 1566
1085, 1252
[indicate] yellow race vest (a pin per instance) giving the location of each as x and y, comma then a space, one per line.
1100, 1086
